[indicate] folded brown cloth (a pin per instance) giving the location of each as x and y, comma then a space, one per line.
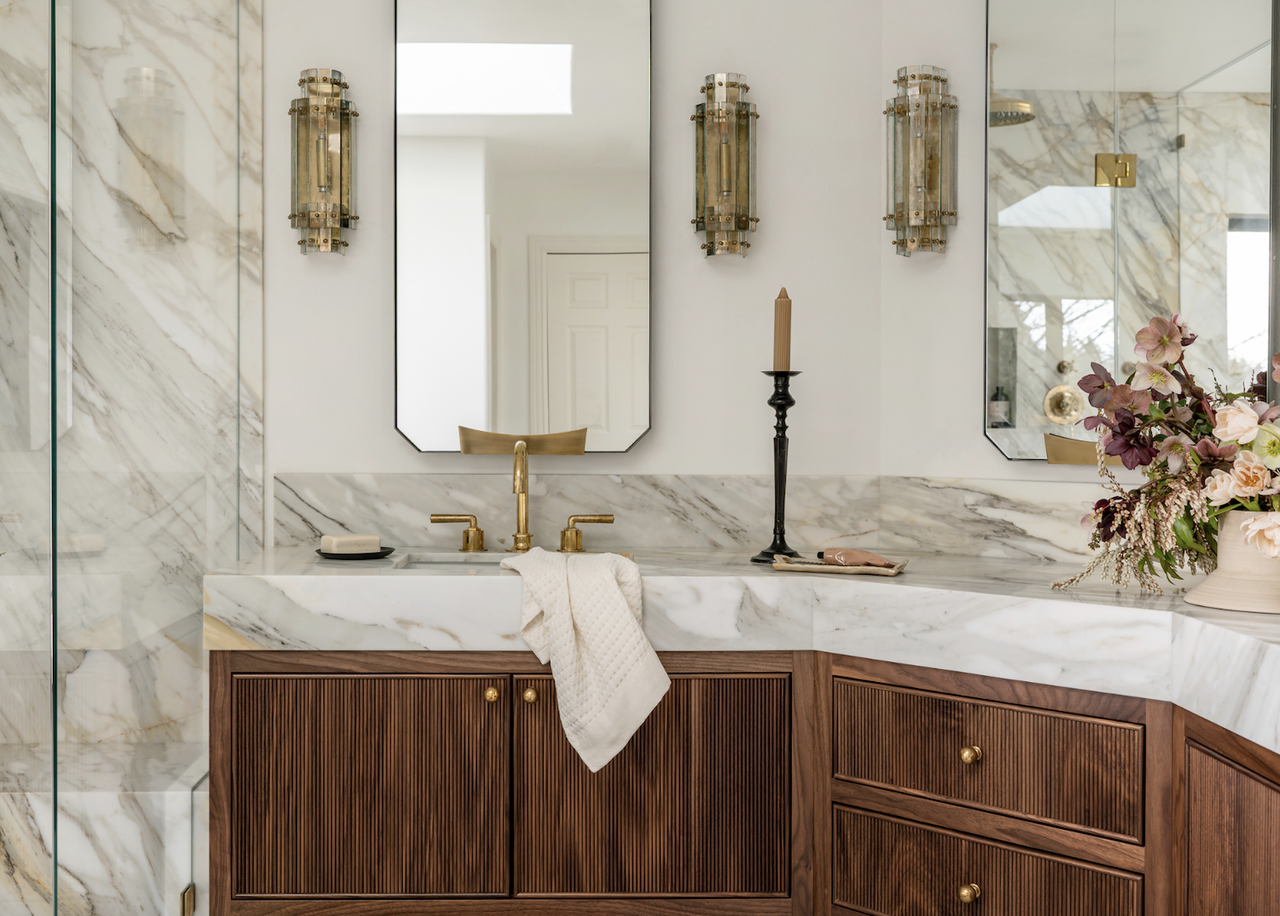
851, 556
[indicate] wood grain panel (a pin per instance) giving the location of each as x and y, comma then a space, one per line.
696, 804
369, 785
891, 867
419, 662
1233, 838
1061, 769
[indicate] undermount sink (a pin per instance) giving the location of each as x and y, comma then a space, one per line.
419, 558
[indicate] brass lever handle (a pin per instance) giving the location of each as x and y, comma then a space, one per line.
969, 893
472, 538
970, 754
571, 537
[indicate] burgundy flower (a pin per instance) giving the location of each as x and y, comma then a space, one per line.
1098, 385
1128, 398
1212, 451
1105, 517
1129, 443
1259, 387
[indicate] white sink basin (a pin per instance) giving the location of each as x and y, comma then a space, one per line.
418, 558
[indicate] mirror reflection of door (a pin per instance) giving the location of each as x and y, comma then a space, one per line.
597, 339
519, 124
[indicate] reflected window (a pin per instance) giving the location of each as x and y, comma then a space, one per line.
483, 78
1060, 207
1246, 298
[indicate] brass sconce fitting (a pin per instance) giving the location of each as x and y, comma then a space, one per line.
725, 167
323, 141
472, 537
921, 156
571, 537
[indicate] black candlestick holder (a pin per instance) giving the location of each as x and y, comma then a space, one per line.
781, 401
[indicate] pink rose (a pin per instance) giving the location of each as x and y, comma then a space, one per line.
1219, 488
1263, 532
1236, 425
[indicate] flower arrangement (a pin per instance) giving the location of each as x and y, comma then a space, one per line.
1204, 453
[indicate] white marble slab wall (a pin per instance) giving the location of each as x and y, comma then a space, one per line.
962, 517
650, 510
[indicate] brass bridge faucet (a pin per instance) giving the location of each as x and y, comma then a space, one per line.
521, 541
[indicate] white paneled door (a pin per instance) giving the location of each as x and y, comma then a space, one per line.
598, 346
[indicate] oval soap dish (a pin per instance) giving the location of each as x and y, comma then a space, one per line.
384, 552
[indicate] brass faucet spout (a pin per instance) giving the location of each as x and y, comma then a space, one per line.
521, 541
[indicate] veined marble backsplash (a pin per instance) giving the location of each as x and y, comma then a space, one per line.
961, 517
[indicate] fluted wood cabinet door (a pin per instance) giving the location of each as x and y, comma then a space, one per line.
1233, 837
697, 804
369, 786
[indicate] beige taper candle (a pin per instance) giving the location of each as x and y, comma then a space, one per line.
782, 332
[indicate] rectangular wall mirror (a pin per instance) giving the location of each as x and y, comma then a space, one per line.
1170, 100
522, 219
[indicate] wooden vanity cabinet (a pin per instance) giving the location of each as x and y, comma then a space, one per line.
397, 783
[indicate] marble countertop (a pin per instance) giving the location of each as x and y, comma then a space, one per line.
995, 617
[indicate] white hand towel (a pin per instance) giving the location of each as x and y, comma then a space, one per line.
582, 612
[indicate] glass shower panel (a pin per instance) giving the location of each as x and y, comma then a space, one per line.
148, 475
27, 751
1051, 242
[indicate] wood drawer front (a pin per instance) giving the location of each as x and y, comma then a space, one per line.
889, 867
696, 804
369, 786
1065, 770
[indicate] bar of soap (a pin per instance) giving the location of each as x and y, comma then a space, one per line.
350, 543
851, 556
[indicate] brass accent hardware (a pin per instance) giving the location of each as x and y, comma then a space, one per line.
530, 695
571, 537
479, 442
1064, 404
472, 538
521, 541
188, 900
1061, 450
1115, 170
491, 694
969, 755
969, 893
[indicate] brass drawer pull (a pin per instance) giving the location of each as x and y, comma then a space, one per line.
969, 893
491, 694
530, 695
969, 755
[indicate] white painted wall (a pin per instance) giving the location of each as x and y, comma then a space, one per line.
891, 348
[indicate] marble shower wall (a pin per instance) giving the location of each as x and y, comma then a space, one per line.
1053, 273
1224, 171
961, 517
158, 432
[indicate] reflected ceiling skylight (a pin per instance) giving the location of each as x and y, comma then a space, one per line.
439, 78
1060, 207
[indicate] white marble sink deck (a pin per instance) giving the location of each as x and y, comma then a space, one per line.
996, 617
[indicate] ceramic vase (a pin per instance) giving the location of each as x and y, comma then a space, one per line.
1246, 579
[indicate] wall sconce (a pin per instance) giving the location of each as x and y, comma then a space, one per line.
922, 160
726, 165
323, 203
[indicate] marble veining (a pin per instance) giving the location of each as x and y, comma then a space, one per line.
995, 616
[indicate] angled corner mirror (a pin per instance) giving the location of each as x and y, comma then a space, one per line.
1128, 174
522, 219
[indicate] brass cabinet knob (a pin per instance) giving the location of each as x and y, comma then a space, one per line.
491, 694
571, 537
530, 695
969, 893
472, 537
970, 754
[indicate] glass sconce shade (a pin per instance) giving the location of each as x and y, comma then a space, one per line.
323, 141
921, 155
725, 180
